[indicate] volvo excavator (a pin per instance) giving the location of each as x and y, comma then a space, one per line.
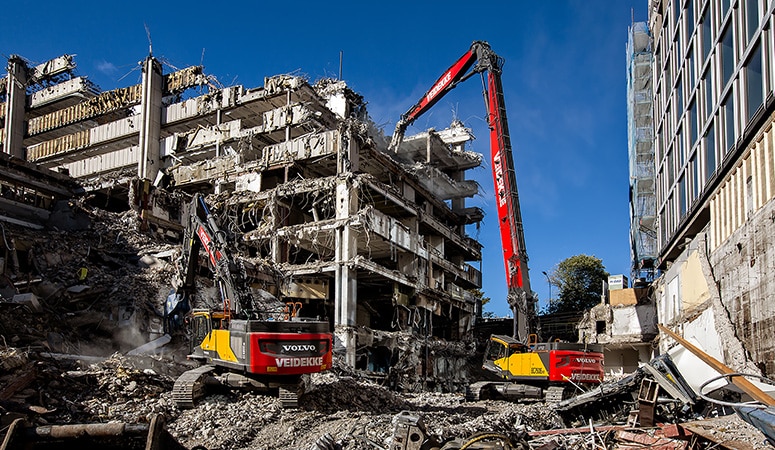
518, 365
243, 343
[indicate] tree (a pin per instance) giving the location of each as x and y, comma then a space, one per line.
479, 295
579, 280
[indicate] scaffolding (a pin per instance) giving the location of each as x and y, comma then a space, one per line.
640, 140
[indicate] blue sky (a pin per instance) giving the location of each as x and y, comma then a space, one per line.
564, 82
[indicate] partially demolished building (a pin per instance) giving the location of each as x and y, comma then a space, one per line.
367, 239
714, 109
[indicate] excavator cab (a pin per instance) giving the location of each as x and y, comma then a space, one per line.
200, 327
496, 356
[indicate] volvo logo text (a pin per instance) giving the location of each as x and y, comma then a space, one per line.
300, 348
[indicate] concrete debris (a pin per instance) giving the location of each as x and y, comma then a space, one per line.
58, 365
321, 215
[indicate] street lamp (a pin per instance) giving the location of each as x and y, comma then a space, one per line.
550, 286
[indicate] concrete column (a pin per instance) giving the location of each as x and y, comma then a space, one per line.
349, 154
345, 290
150, 124
275, 245
16, 85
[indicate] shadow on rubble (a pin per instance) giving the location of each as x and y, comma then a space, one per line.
71, 295
84, 286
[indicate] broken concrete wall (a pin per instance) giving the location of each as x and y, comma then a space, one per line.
725, 271
410, 361
626, 324
710, 323
743, 273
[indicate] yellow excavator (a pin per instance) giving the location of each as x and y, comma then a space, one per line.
242, 344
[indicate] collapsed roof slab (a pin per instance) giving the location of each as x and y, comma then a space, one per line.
73, 91
441, 185
53, 67
431, 148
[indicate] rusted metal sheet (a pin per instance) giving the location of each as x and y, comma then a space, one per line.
644, 440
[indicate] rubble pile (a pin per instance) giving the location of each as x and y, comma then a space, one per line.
91, 290
450, 416
450, 365
328, 392
56, 388
128, 389
77, 298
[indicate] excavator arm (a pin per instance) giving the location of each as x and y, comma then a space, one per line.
202, 231
481, 59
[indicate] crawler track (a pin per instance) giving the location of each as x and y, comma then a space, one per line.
190, 386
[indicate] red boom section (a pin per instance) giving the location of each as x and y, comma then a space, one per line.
207, 243
289, 353
507, 197
576, 366
441, 86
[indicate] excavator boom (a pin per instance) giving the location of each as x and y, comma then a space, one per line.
481, 59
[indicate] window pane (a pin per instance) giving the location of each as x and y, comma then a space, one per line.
729, 121
690, 66
706, 36
682, 197
676, 9
727, 55
708, 94
752, 17
663, 226
710, 153
690, 18
692, 125
696, 180
753, 70
659, 144
677, 43
679, 96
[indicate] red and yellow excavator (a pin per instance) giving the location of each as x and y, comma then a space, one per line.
520, 367
244, 343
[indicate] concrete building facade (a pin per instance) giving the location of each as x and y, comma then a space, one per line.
371, 239
714, 74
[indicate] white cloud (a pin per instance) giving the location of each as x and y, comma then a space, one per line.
108, 68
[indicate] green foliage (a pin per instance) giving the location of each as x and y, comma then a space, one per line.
579, 280
485, 300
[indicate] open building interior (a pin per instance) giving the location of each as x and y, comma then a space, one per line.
373, 241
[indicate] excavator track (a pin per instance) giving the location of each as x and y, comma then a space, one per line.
190, 386
554, 394
474, 391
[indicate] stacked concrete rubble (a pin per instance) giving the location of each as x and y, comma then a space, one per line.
373, 241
